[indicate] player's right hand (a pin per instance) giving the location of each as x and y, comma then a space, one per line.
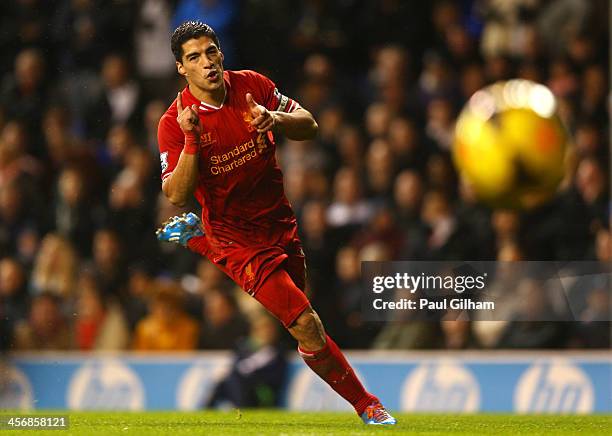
188, 118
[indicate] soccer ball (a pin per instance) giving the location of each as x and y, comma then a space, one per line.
510, 145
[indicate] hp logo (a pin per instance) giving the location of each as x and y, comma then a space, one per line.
554, 387
441, 387
105, 385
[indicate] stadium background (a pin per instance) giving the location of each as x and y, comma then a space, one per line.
84, 83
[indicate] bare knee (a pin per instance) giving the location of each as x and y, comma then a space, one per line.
308, 330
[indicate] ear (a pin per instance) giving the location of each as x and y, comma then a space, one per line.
181, 69
222, 57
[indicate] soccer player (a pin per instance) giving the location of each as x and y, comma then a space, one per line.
216, 141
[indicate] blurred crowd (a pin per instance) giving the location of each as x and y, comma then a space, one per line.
84, 83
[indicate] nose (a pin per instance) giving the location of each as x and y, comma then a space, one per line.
208, 63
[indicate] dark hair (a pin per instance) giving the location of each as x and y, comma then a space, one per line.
190, 30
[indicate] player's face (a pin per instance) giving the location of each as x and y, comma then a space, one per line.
202, 64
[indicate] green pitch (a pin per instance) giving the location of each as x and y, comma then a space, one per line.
274, 422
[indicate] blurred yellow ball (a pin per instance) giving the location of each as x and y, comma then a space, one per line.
510, 145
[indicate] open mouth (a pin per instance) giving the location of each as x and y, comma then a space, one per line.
213, 75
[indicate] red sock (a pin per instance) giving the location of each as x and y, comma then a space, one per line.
330, 364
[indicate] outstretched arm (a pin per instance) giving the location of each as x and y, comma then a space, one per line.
298, 125
180, 185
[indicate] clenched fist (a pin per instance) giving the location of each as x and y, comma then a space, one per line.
188, 118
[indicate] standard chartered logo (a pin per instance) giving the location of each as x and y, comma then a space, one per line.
554, 387
441, 387
106, 384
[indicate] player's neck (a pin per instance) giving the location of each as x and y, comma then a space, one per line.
214, 98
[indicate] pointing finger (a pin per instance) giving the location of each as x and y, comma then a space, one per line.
179, 103
250, 101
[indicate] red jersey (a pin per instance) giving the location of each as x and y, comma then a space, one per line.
240, 185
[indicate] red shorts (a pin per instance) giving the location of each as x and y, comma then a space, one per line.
251, 266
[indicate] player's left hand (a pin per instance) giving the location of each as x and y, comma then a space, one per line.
263, 119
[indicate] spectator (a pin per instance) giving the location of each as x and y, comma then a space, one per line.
154, 58
120, 101
444, 241
320, 246
23, 95
16, 164
12, 217
457, 334
593, 330
348, 208
349, 327
99, 323
588, 138
45, 328
61, 146
318, 27
13, 292
330, 122
73, 214
408, 150
472, 79
113, 156
440, 128
408, 195
210, 277
258, 371
408, 331
380, 170
350, 147
108, 264
80, 33
440, 174
591, 185
382, 229
377, 119
390, 66
167, 327
594, 85
128, 213
224, 325
141, 287
318, 90
533, 325
296, 187
506, 226
55, 267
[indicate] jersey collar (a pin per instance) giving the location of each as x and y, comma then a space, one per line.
189, 98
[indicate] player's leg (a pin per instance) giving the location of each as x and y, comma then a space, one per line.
287, 302
280, 295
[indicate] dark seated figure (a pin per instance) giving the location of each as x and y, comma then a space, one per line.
258, 372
